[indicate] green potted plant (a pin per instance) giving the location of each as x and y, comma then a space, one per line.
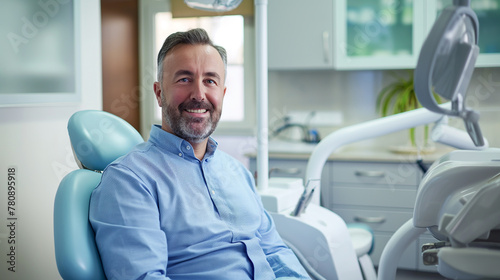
398, 97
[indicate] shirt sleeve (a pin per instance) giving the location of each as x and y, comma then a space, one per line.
125, 219
281, 258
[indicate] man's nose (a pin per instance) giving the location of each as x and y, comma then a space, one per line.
198, 91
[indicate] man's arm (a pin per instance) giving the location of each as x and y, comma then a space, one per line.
125, 219
281, 259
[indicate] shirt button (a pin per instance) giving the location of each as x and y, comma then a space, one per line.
213, 192
188, 148
180, 154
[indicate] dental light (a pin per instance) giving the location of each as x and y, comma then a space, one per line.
446, 63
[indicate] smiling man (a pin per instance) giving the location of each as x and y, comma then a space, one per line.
190, 89
176, 207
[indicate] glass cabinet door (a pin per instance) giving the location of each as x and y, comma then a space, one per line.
488, 14
381, 34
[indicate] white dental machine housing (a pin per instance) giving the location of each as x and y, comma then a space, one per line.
458, 200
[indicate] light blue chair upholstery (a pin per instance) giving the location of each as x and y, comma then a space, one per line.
97, 139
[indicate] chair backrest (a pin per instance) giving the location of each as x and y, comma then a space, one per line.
97, 138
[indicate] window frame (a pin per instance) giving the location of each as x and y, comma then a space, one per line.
147, 72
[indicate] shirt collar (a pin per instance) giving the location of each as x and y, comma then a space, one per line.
174, 144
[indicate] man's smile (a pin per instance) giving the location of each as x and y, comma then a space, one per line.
196, 110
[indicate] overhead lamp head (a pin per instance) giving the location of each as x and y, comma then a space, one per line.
213, 5
446, 63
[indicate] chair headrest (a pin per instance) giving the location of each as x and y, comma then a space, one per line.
98, 138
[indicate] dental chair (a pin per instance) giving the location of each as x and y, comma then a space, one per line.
97, 139
458, 200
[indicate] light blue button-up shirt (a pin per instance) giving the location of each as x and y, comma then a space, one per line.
160, 213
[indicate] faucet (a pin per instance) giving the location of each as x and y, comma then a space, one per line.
308, 135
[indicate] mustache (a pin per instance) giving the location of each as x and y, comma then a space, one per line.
194, 104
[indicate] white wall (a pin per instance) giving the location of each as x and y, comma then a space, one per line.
34, 140
354, 94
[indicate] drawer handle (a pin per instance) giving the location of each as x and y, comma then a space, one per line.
370, 220
370, 173
326, 46
288, 171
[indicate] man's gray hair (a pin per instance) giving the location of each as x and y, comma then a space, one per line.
196, 36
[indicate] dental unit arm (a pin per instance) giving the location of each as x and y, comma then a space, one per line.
458, 200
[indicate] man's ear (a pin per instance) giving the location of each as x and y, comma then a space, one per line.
157, 90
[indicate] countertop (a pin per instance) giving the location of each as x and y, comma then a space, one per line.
354, 152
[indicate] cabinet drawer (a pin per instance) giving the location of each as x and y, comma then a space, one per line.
290, 168
378, 220
287, 168
283, 168
372, 196
375, 173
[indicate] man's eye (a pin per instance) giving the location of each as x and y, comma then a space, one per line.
184, 80
211, 82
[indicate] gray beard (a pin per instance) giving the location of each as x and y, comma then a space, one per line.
181, 126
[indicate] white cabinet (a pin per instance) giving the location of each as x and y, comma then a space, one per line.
341, 34
377, 34
300, 34
365, 34
488, 14
381, 195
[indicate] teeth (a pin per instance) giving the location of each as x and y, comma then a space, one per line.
196, 110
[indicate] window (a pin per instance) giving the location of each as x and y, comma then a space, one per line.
227, 31
40, 53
